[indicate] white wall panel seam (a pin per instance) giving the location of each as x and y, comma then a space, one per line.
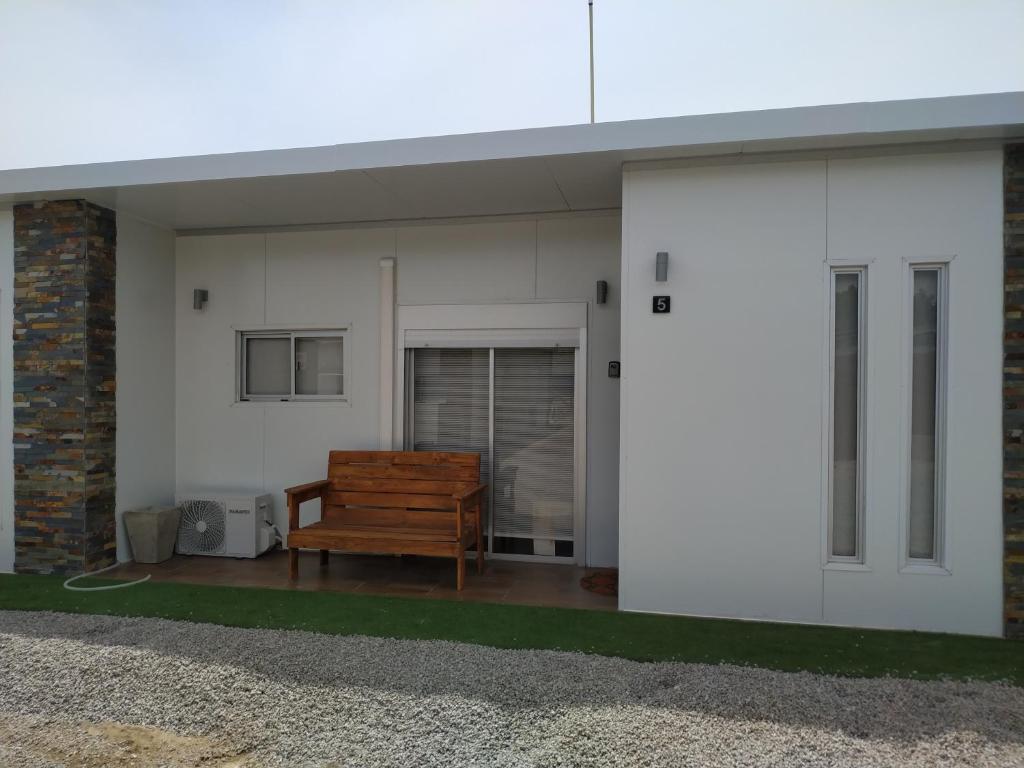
625, 263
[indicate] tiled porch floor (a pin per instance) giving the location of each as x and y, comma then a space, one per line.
502, 581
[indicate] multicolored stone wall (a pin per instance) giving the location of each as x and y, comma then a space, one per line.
64, 386
1013, 391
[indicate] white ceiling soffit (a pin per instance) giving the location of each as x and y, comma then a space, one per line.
444, 190
525, 171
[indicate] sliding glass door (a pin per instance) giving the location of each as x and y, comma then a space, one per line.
516, 407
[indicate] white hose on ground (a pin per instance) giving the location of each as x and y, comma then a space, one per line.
107, 586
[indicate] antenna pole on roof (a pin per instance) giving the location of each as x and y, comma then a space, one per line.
590, 8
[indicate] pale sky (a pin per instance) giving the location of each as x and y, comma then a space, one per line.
96, 80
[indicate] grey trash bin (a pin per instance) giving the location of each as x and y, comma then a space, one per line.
152, 532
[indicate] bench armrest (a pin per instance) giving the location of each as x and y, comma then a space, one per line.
468, 502
308, 490
300, 493
470, 495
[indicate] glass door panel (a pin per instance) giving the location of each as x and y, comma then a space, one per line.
534, 451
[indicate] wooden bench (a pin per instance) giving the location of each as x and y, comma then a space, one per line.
392, 502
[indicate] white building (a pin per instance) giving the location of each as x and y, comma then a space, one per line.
809, 423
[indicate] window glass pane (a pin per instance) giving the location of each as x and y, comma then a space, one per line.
268, 366
319, 366
846, 415
923, 414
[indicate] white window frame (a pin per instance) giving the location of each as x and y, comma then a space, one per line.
292, 334
940, 563
859, 560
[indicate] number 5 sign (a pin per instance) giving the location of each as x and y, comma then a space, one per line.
662, 305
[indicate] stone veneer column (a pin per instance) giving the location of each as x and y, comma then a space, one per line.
64, 386
1013, 391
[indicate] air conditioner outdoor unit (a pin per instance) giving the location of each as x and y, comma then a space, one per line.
225, 524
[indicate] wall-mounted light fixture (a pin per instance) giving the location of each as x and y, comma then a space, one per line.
199, 297
602, 291
661, 267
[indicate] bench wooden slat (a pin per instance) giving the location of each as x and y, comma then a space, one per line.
405, 457
395, 485
384, 546
391, 500
416, 519
453, 472
377, 532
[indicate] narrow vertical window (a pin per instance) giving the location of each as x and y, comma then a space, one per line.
846, 466
926, 413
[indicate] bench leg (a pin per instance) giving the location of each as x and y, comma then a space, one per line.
460, 573
293, 563
323, 558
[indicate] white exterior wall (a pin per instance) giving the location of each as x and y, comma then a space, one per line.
145, 374
320, 279
930, 206
145, 369
6, 390
722, 483
331, 279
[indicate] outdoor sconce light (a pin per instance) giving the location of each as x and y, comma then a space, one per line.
661, 267
199, 297
602, 291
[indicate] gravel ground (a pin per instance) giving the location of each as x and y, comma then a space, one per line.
100, 691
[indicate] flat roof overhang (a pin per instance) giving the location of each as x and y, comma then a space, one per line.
558, 169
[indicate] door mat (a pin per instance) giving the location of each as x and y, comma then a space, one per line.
602, 583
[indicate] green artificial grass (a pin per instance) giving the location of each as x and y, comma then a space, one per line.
643, 637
